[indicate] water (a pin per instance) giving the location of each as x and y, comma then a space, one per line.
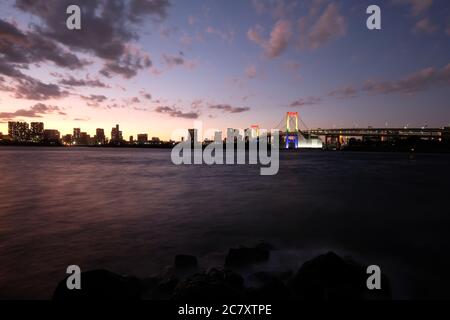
131, 211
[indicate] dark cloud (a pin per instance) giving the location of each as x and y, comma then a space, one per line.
174, 112
72, 82
94, 100
146, 95
177, 60
18, 47
33, 89
228, 108
128, 65
418, 81
309, 101
107, 28
35, 111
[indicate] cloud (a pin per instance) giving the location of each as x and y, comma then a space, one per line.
309, 101
174, 112
127, 65
94, 100
251, 72
72, 82
419, 81
278, 40
424, 25
35, 111
329, 26
177, 60
146, 95
18, 47
228, 108
417, 7
343, 93
107, 28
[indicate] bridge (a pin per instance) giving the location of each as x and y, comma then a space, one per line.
293, 138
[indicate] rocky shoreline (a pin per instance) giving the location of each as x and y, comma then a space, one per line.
325, 277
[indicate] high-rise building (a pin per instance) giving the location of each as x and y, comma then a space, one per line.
100, 137
142, 138
218, 136
131, 140
116, 135
37, 131
193, 135
18, 131
84, 139
76, 135
52, 136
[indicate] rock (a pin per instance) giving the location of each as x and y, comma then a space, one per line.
215, 286
185, 262
101, 284
233, 279
244, 256
268, 287
329, 277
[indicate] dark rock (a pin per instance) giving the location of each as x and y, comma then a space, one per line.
101, 284
329, 277
233, 279
268, 287
185, 262
211, 287
244, 256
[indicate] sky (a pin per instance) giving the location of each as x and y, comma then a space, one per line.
154, 66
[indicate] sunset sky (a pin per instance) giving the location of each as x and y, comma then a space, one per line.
157, 65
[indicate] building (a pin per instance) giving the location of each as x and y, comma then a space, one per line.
67, 139
52, 136
1, 136
193, 135
100, 137
37, 132
131, 139
446, 134
84, 139
18, 131
155, 140
76, 135
116, 135
218, 136
142, 138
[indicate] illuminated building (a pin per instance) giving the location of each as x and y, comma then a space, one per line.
67, 139
18, 131
37, 132
116, 135
100, 137
76, 135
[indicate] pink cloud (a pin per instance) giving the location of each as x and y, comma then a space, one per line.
278, 40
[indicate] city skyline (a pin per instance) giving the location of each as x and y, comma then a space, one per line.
155, 68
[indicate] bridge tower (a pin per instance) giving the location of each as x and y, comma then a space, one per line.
254, 131
292, 133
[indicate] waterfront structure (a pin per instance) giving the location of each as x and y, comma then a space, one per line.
142, 138
18, 131
100, 137
37, 132
76, 135
116, 135
52, 136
